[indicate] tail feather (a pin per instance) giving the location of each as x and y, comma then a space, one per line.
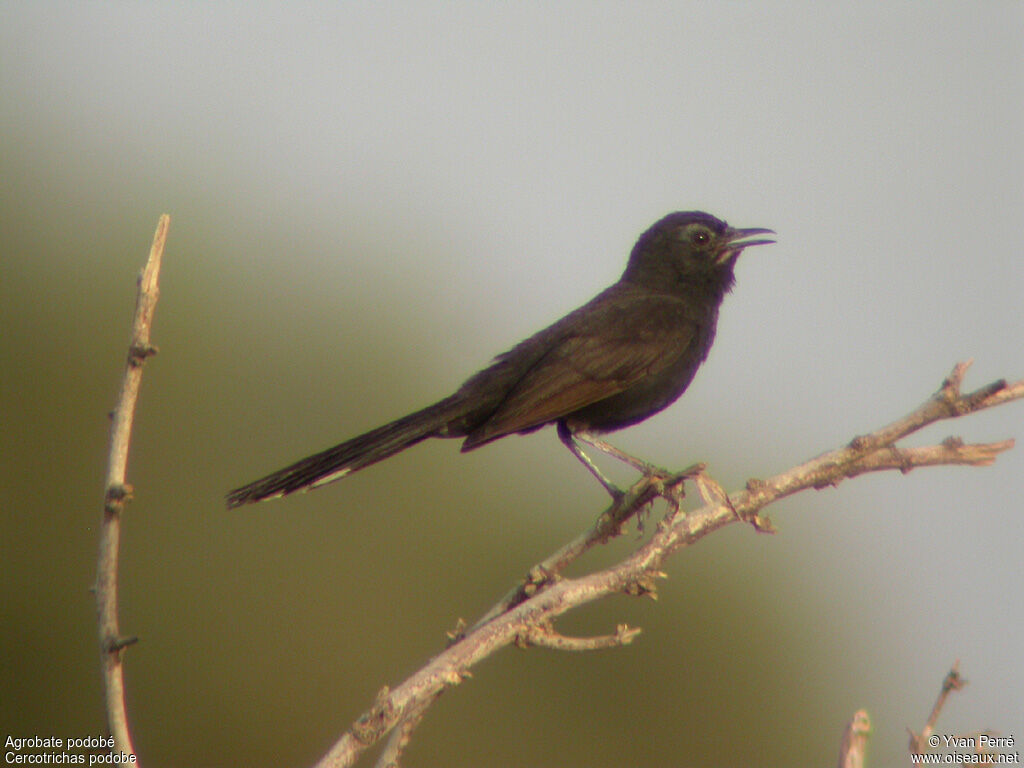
334, 463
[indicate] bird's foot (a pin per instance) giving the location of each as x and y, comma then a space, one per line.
645, 467
671, 485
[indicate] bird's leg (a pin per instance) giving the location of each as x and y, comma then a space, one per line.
648, 469
568, 440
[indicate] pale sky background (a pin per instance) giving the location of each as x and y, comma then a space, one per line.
368, 202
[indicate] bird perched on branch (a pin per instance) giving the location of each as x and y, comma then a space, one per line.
626, 354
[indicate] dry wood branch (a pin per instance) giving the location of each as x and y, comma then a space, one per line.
117, 492
952, 682
608, 525
545, 595
546, 637
402, 734
855, 741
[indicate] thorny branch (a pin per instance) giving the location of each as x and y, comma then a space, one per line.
526, 614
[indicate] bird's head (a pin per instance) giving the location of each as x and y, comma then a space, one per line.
689, 249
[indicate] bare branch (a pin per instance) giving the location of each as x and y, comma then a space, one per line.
951, 451
952, 682
546, 637
608, 525
855, 741
117, 492
402, 734
528, 612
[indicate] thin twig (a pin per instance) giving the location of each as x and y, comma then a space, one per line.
117, 493
855, 741
545, 636
545, 595
608, 525
951, 682
402, 734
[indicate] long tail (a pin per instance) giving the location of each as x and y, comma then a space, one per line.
334, 463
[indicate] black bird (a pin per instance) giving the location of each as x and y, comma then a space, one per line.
626, 354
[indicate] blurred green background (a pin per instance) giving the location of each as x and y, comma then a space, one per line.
368, 202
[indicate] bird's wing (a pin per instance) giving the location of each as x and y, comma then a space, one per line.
598, 351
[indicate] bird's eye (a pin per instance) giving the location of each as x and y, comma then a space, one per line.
700, 236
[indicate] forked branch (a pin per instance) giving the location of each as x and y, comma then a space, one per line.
526, 615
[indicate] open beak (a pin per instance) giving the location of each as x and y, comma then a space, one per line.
737, 241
